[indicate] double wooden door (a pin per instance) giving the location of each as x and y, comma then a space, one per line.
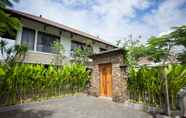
105, 71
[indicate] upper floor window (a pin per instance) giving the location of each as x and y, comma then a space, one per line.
45, 42
28, 38
75, 45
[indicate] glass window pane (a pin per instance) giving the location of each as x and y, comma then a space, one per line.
28, 37
75, 45
45, 42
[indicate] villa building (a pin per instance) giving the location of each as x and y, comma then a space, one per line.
39, 34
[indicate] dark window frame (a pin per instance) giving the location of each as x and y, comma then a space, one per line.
34, 34
50, 37
82, 45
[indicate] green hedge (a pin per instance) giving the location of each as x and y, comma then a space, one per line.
29, 81
146, 85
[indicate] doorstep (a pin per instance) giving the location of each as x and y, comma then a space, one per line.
105, 97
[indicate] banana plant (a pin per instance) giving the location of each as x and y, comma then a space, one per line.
176, 75
146, 85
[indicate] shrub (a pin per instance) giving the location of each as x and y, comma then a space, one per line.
75, 77
145, 84
29, 81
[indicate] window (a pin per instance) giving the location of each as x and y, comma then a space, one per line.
28, 37
102, 49
75, 45
45, 41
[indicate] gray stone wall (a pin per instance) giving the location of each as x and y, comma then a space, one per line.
119, 76
94, 82
119, 89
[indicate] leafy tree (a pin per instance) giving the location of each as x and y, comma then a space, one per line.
145, 84
118, 43
157, 49
182, 57
179, 36
59, 51
4, 3
8, 24
82, 55
134, 49
160, 49
13, 54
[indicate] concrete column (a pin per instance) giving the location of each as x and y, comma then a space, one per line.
35, 40
19, 36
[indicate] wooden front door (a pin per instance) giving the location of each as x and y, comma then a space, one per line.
105, 71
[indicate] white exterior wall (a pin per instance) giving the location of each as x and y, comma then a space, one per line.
18, 36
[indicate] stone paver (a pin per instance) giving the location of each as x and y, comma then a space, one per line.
74, 107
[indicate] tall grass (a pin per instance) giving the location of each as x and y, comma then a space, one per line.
29, 81
146, 86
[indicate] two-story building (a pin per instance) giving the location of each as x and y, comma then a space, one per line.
39, 34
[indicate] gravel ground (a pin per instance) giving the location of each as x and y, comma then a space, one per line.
72, 107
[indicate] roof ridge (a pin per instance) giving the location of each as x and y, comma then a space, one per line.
59, 25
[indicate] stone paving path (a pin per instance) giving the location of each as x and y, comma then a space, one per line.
73, 107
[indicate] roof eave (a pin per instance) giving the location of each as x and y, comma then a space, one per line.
83, 34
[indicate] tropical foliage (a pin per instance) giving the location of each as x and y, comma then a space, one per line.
160, 49
8, 24
133, 50
75, 77
59, 51
179, 36
22, 82
29, 81
145, 84
12, 55
82, 55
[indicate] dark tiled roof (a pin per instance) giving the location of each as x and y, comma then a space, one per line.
57, 25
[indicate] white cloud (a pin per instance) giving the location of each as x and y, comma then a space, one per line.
110, 19
168, 15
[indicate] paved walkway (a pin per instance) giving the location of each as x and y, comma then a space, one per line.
73, 107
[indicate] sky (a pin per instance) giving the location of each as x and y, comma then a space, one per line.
111, 20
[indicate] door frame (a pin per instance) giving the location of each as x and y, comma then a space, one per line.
100, 78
